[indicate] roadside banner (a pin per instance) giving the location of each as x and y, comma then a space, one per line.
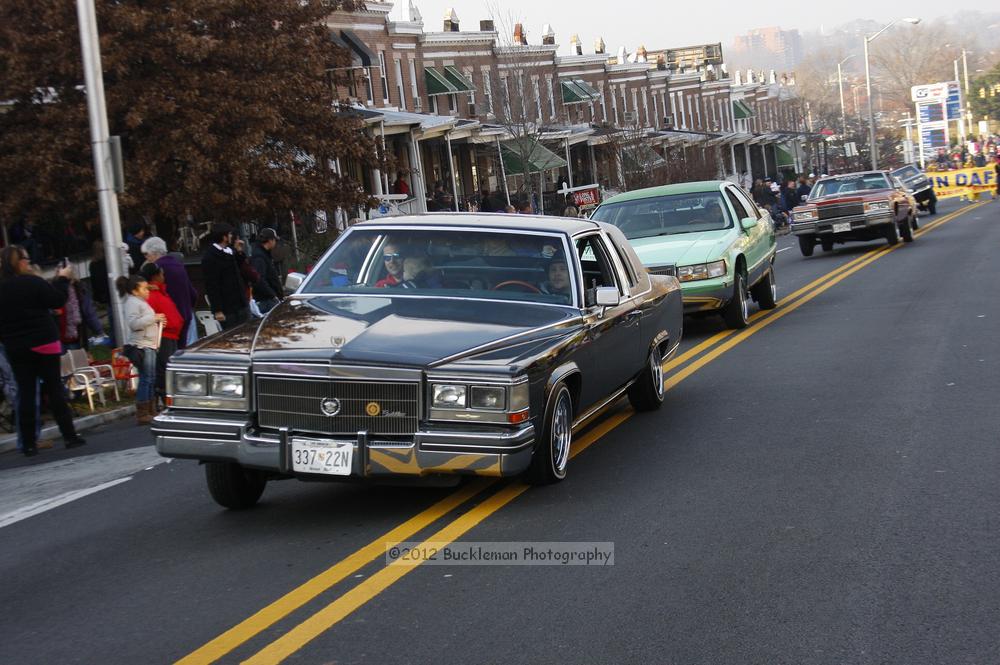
964, 182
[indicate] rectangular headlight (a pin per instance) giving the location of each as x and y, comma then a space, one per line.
227, 385
488, 397
875, 206
189, 383
701, 271
448, 396
804, 216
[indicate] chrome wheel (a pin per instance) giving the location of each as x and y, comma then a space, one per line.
773, 284
744, 302
656, 370
562, 433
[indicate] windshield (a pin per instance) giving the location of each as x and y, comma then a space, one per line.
465, 263
907, 172
849, 183
666, 215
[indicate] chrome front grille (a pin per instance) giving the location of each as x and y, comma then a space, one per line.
378, 407
669, 269
841, 210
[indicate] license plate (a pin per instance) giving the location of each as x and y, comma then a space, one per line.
841, 228
332, 458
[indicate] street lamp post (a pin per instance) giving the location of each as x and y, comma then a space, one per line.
840, 85
873, 149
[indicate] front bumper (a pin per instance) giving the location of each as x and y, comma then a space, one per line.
857, 222
233, 438
706, 294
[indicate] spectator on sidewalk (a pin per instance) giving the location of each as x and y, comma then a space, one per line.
268, 289
29, 334
134, 238
221, 268
78, 319
160, 301
177, 285
143, 329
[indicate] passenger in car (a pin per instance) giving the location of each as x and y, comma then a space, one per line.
558, 281
497, 246
419, 274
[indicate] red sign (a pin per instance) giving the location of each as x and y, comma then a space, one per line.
587, 197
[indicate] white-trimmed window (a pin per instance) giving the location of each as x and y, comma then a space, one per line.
538, 98
604, 105
635, 105
552, 99
656, 113
400, 90
414, 92
614, 106
383, 77
468, 71
645, 108
487, 90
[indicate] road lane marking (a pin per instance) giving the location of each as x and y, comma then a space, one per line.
783, 249
25, 512
296, 598
324, 619
378, 582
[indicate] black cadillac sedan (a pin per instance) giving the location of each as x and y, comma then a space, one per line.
434, 344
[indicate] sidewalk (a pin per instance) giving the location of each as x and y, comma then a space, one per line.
8, 442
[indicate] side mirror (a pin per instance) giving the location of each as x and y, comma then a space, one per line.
748, 222
606, 296
293, 281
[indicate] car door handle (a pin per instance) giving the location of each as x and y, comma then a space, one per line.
634, 314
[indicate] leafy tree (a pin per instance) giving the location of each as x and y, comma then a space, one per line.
985, 94
227, 110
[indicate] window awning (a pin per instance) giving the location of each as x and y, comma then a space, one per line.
359, 47
339, 42
782, 157
437, 84
457, 79
577, 91
741, 111
538, 157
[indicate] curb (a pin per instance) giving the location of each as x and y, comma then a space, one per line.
9, 442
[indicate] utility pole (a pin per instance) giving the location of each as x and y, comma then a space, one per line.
106, 197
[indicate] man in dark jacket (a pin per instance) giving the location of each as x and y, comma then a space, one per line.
268, 290
136, 234
221, 268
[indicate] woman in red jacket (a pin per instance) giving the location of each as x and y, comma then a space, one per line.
162, 304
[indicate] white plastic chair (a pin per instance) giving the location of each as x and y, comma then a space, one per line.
208, 322
99, 374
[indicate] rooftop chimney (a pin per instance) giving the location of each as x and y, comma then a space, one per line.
519, 38
450, 21
622, 55
487, 26
415, 16
641, 53
661, 62
548, 35
575, 45
599, 47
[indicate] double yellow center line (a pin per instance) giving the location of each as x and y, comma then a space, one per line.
696, 358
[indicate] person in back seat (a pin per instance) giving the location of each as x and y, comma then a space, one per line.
419, 274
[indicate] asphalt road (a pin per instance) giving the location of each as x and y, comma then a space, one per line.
820, 488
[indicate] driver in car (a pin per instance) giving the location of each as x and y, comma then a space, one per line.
393, 258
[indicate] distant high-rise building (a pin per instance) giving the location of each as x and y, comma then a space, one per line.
767, 48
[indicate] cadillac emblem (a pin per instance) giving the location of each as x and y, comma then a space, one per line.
373, 409
330, 406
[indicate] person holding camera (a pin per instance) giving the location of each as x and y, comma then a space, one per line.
30, 336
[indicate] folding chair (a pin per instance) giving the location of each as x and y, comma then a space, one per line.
78, 382
100, 374
208, 322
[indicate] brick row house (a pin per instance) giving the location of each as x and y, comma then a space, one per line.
470, 113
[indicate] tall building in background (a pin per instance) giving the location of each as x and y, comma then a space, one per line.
767, 48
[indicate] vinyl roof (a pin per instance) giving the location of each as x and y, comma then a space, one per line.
570, 225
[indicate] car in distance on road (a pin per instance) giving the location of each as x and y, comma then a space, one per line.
436, 344
710, 235
854, 206
919, 186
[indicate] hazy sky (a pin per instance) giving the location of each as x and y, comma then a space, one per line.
663, 24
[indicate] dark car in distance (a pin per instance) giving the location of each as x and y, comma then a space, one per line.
435, 344
919, 186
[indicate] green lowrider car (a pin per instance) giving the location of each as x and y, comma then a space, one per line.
710, 235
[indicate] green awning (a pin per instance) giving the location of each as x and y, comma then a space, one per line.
572, 93
741, 111
539, 158
587, 88
436, 83
782, 157
457, 79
